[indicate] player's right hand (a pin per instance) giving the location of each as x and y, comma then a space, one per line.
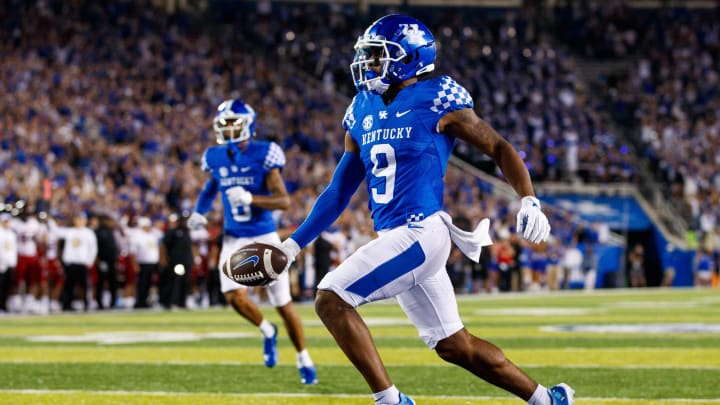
239, 196
196, 221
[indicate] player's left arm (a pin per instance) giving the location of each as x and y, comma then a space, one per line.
206, 196
348, 175
464, 124
278, 199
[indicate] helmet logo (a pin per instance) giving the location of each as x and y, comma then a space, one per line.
367, 122
415, 36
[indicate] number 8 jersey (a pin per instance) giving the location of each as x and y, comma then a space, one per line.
231, 167
405, 157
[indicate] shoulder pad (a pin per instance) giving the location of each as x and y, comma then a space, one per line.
275, 157
449, 96
349, 119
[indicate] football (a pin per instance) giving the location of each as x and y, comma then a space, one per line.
255, 264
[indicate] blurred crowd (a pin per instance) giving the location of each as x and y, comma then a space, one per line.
85, 262
671, 93
106, 108
599, 29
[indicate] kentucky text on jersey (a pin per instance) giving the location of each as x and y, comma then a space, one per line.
385, 134
237, 181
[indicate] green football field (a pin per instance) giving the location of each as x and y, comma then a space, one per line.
613, 347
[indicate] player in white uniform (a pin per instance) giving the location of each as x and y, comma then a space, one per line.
399, 135
55, 272
247, 174
28, 272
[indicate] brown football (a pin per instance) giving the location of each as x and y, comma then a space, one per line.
255, 264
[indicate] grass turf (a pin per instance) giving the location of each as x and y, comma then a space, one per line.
603, 367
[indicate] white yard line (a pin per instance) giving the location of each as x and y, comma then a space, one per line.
393, 365
302, 395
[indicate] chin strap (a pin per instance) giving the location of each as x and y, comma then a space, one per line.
378, 86
236, 151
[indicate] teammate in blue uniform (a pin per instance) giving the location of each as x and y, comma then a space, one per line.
399, 135
247, 175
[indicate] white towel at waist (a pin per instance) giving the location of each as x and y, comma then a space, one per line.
470, 243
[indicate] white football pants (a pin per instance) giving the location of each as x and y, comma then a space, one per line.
407, 262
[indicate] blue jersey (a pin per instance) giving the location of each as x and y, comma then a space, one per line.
230, 167
404, 155
705, 263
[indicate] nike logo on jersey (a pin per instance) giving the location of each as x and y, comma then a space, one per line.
400, 114
413, 226
245, 169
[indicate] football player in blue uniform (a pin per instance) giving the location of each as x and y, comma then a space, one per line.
399, 135
247, 174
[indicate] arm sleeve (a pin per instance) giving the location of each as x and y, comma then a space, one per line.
348, 175
206, 197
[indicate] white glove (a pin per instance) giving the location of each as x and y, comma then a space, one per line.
532, 224
196, 221
290, 248
239, 196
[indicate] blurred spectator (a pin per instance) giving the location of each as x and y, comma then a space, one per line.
215, 235
323, 262
555, 276
79, 253
669, 266
28, 271
480, 273
506, 257
126, 270
637, 266
8, 258
590, 266
177, 253
572, 263
53, 266
704, 268
145, 244
200, 273
107, 284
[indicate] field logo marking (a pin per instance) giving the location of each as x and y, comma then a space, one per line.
638, 328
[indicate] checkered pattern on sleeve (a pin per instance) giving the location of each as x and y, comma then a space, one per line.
451, 97
275, 157
415, 217
204, 163
349, 119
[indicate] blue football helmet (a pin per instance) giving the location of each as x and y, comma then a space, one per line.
401, 46
234, 122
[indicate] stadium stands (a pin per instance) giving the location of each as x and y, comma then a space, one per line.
113, 102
